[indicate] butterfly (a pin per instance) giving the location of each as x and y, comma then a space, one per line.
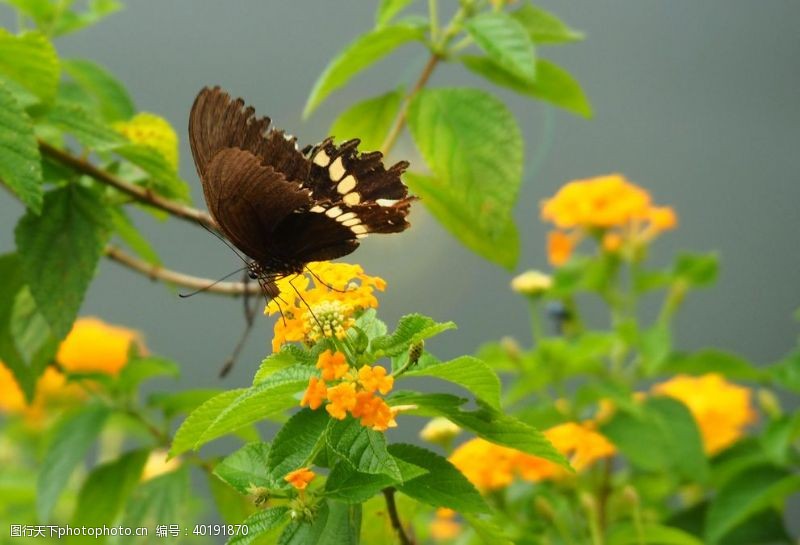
284, 207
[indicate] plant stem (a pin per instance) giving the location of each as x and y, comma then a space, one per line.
388, 493
141, 194
400, 120
434, 19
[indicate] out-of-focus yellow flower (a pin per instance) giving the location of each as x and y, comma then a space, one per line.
439, 431
94, 346
609, 207
154, 132
444, 527
722, 409
51, 388
324, 307
299, 478
531, 283
158, 463
489, 466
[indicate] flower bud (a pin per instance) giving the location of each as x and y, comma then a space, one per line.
440, 431
415, 352
531, 283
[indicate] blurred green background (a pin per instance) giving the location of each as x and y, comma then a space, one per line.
698, 102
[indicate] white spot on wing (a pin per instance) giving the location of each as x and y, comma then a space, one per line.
386, 202
361, 235
346, 185
321, 158
347, 216
336, 170
351, 222
359, 229
333, 212
352, 198
318, 209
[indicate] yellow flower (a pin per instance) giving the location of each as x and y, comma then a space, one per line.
486, 465
443, 527
325, 307
374, 378
439, 431
94, 346
342, 398
333, 365
722, 409
315, 395
299, 478
158, 464
559, 247
154, 132
580, 443
51, 389
531, 283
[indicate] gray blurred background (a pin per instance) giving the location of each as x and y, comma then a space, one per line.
696, 101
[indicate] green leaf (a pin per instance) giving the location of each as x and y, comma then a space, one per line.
505, 41
350, 486
297, 441
369, 120
181, 402
91, 132
543, 27
71, 21
552, 83
466, 371
70, 443
113, 100
259, 524
697, 270
107, 488
786, 373
335, 523
159, 174
412, 328
487, 530
473, 145
388, 9
360, 54
31, 60
442, 486
20, 161
656, 534
232, 506
59, 251
127, 231
486, 422
362, 448
711, 360
159, 499
663, 436
247, 468
235, 409
746, 495
289, 355
141, 369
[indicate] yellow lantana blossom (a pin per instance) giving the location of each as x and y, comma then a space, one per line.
342, 398
444, 527
94, 346
51, 388
299, 478
154, 132
333, 365
323, 307
722, 409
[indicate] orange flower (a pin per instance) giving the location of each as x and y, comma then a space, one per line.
374, 378
333, 365
299, 478
662, 218
315, 394
722, 409
486, 465
581, 443
342, 398
612, 242
373, 412
94, 346
443, 527
559, 247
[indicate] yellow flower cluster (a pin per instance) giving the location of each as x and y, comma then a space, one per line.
489, 466
722, 409
610, 207
92, 346
354, 393
325, 307
154, 132
444, 527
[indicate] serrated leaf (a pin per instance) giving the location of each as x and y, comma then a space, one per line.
71, 441
259, 524
466, 371
127, 231
442, 486
159, 174
235, 409
91, 132
71, 21
106, 489
552, 83
232, 506
20, 161
360, 54
113, 100
629, 534
412, 328
297, 441
505, 41
31, 60
247, 468
388, 10
350, 486
335, 523
543, 27
12, 284
745, 495
368, 120
473, 145
181, 402
289, 355
363, 448
59, 251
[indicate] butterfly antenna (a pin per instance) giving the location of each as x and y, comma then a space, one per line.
249, 317
306, 304
224, 241
214, 283
321, 281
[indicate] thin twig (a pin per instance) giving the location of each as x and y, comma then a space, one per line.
400, 120
141, 194
156, 272
395, 517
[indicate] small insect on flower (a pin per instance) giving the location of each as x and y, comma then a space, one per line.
300, 478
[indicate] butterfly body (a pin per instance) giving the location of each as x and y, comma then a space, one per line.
284, 207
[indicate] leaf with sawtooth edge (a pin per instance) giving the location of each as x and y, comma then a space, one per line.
20, 160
